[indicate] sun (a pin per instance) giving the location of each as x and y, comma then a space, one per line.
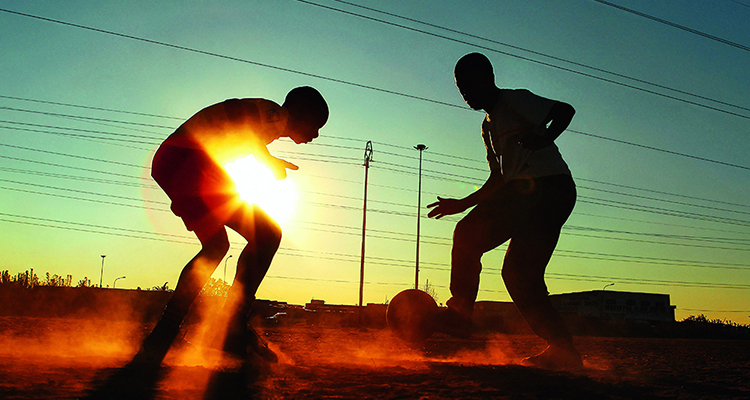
257, 185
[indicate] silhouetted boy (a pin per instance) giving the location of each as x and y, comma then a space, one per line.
526, 199
188, 166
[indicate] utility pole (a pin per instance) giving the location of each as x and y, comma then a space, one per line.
101, 274
421, 148
368, 158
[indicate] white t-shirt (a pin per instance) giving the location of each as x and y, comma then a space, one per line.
517, 112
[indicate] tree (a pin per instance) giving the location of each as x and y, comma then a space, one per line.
85, 282
430, 289
163, 288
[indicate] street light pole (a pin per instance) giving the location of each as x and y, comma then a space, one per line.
115, 281
421, 148
225, 269
101, 274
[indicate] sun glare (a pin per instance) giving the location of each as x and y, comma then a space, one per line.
257, 185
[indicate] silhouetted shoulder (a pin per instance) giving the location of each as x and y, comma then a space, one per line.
241, 110
532, 107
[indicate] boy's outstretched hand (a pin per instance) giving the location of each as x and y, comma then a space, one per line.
445, 207
279, 167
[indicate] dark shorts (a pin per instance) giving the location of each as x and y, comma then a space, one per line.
202, 192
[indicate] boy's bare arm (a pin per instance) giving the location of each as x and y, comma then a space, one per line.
276, 165
445, 206
558, 118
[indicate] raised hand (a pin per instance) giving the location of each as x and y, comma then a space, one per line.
444, 207
279, 167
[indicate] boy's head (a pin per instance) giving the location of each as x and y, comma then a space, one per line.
475, 80
308, 112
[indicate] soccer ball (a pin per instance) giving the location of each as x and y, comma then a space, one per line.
410, 314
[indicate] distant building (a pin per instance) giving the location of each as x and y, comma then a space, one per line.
616, 306
319, 312
321, 307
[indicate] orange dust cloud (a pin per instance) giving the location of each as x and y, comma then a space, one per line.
104, 342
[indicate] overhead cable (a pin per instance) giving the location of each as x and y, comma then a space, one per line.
674, 25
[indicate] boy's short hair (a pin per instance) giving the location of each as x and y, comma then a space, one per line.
307, 103
474, 65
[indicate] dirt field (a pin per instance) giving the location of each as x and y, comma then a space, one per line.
71, 359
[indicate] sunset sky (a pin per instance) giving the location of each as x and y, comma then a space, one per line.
658, 147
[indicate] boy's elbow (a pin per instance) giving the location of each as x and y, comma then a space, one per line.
566, 110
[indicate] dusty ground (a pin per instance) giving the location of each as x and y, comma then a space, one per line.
70, 359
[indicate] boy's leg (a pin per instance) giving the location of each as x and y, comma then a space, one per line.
523, 273
481, 230
525, 263
194, 276
478, 232
263, 237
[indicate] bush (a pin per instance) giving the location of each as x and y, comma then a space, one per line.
216, 288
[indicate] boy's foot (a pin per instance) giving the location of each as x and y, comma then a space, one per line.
259, 346
451, 322
248, 345
565, 358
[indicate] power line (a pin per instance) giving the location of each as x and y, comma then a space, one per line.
85, 199
155, 137
535, 61
583, 199
353, 148
678, 26
45, 223
681, 237
740, 3
408, 167
660, 223
649, 260
84, 118
382, 202
663, 200
529, 51
212, 54
691, 245
298, 153
81, 192
80, 136
89, 107
636, 281
358, 84
658, 210
659, 235
662, 192
661, 150
71, 155
71, 167
79, 178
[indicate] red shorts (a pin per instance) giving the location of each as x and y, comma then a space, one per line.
202, 192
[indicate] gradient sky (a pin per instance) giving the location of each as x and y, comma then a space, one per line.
649, 218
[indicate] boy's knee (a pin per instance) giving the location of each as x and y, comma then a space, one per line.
522, 285
274, 237
464, 235
216, 249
